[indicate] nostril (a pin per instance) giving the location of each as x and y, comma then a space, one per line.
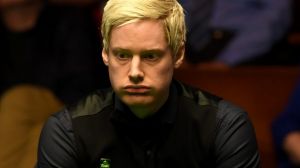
136, 78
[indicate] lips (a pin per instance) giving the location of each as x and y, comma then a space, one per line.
136, 90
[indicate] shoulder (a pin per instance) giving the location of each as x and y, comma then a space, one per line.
92, 104
57, 141
227, 127
229, 112
235, 142
225, 110
196, 95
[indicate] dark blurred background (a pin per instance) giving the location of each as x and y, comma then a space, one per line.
50, 56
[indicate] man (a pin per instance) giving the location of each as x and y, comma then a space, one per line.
228, 33
147, 119
286, 132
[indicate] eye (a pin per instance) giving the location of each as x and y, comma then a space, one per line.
122, 55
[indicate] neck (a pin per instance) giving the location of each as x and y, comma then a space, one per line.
143, 112
22, 17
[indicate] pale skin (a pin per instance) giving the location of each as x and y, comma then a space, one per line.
291, 145
141, 65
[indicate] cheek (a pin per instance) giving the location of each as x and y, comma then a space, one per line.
117, 74
163, 75
114, 75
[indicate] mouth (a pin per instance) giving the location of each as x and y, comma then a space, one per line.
137, 90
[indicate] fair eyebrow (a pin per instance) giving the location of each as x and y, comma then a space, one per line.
117, 50
155, 50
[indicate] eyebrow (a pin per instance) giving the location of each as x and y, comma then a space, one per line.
118, 49
155, 50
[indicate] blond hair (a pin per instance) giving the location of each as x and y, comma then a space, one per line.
120, 12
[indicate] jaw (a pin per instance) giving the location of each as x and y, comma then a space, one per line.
141, 106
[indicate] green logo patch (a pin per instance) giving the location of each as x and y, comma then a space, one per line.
104, 163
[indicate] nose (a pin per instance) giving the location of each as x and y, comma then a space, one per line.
136, 73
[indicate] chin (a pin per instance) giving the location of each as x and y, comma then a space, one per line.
137, 101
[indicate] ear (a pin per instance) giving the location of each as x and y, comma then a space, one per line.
180, 56
105, 57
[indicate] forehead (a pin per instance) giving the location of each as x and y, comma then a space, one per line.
142, 33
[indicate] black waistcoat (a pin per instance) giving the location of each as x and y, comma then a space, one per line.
187, 142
